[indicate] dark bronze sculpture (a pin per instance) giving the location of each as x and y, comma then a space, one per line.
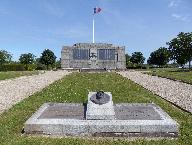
100, 98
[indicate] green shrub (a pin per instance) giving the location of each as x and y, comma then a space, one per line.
12, 67
137, 66
41, 66
32, 67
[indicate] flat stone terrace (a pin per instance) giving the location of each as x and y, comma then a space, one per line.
174, 91
123, 111
68, 119
13, 91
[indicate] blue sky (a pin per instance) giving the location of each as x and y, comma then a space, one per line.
140, 25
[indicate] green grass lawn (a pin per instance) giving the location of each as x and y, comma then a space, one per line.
75, 88
174, 74
14, 74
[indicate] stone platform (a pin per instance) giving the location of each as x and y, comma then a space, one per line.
69, 119
100, 112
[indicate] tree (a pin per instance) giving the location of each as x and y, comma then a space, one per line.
58, 63
181, 48
137, 57
159, 57
127, 58
48, 58
5, 57
27, 59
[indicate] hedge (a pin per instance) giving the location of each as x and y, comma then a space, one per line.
18, 67
12, 67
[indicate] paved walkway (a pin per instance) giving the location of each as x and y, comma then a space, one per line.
13, 91
174, 91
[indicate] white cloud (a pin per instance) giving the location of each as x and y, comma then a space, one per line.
180, 17
174, 3
177, 16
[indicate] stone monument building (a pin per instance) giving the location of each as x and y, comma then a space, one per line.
93, 56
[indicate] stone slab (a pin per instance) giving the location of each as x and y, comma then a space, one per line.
61, 111
136, 112
66, 123
100, 112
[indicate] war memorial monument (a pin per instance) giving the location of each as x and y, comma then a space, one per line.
101, 117
93, 56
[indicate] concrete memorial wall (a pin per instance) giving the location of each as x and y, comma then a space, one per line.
93, 56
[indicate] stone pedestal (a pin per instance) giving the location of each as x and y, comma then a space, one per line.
100, 112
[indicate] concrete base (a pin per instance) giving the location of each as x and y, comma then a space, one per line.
146, 120
100, 112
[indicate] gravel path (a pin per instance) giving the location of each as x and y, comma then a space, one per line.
174, 91
13, 91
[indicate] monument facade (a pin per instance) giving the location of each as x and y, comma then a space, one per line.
93, 56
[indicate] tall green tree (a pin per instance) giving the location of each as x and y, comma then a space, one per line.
137, 58
48, 58
58, 63
127, 58
5, 57
181, 48
159, 57
27, 59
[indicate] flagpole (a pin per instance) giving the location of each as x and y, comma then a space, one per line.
93, 30
96, 10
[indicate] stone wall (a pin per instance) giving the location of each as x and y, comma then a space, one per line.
93, 62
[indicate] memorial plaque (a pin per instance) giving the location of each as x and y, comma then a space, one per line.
106, 54
81, 54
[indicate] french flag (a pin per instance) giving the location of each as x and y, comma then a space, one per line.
97, 10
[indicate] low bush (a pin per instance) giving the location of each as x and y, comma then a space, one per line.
41, 66
135, 66
12, 67
32, 67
